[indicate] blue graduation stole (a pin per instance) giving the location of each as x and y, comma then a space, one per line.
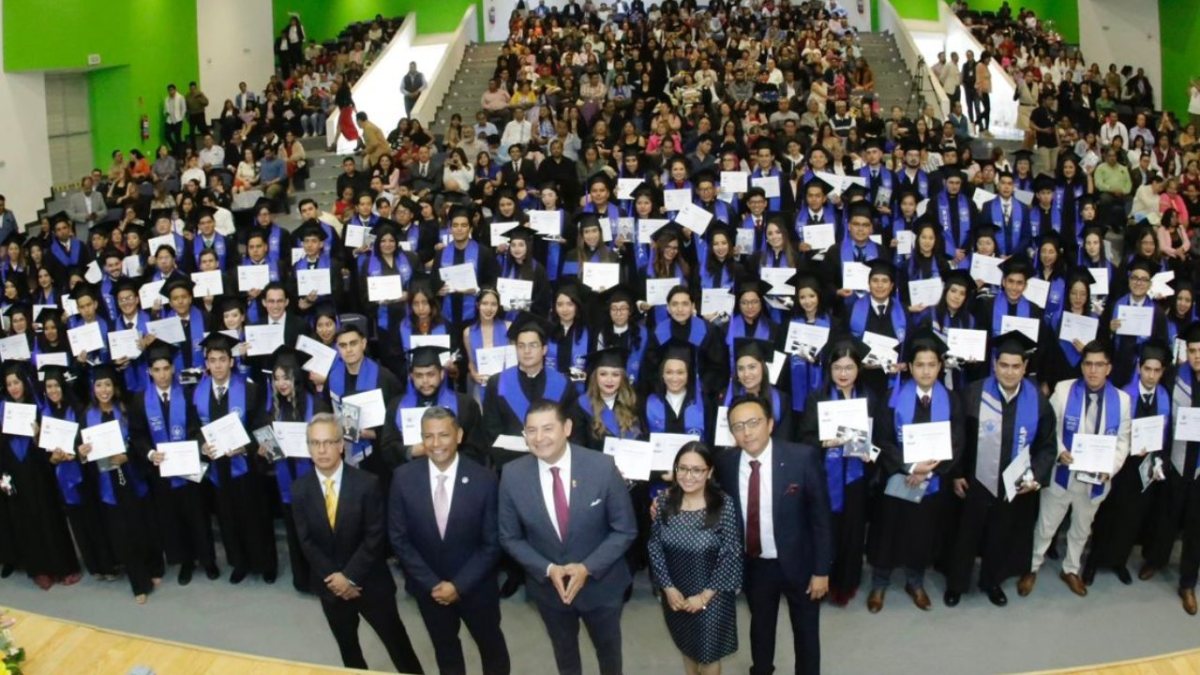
1012, 231
508, 388
159, 432
885, 180
218, 247
69, 474
368, 379
290, 469
963, 206
866, 304
374, 268
840, 470
723, 279
369, 223
470, 255
445, 399
991, 414
475, 335
697, 331
637, 344
195, 335
554, 250
608, 417
1073, 422
1055, 299
672, 185
693, 415
411, 234
201, 398
67, 259
579, 347
828, 215
904, 401
1162, 405
106, 294
612, 213
136, 373
570, 266
734, 389
406, 333
1124, 300
806, 377
870, 250
1035, 220
774, 204
1023, 183
274, 248
129, 470
18, 444
921, 182
1000, 310
737, 329
1068, 348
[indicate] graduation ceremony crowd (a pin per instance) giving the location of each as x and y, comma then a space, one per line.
709, 272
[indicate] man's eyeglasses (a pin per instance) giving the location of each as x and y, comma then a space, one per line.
748, 425
316, 444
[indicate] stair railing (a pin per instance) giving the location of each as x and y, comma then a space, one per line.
447, 69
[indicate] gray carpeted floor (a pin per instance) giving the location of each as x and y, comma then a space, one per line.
1051, 628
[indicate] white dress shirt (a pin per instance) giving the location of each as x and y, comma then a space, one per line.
450, 473
547, 480
766, 519
337, 481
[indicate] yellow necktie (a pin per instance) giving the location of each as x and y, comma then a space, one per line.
330, 502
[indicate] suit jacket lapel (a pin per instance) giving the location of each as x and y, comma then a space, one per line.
778, 482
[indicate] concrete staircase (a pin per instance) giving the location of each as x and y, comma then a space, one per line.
892, 79
323, 170
479, 62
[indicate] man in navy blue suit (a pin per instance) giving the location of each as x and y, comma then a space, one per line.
442, 524
566, 518
779, 491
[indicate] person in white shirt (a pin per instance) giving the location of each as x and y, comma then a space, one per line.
212, 156
1194, 102
174, 112
1089, 406
518, 130
1113, 128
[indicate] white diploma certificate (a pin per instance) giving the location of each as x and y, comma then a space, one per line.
58, 434
856, 276
657, 290
677, 200
459, 278
226, 434
694, 218
849, 413
292, 438
820, 236
515, 293
86, 338
385, 288
967, 344
1135, 321
803, 335
15, 348
735, 182
264, 339
778, 278
634, 459
149, 294
1093, 453
1078, 327
106, 439
600, 276
179, 459
20, 418
985, 268
492, 360
207, 283
1037, 291
716, 301
1146, 434
371, 407
927, 442
322, 356
926, 292
1027, 325
1187, 424
317, 280
666, 446
124, 344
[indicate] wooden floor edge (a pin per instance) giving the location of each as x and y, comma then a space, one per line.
1192, 654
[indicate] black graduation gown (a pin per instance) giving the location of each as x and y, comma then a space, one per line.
391, 387
130, 525
1121, 515
391, 441
850, 525
1177, 510
903, 533
500, 420
712, 360
388, 350
182, 520
243, 515
286, 412
999, 531
86, 521
41, 539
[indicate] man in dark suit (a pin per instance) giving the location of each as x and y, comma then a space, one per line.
442, 524
275, 301
518, 167
565, 516
780, 493
338, 511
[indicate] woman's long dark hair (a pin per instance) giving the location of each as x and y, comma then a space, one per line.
714, 499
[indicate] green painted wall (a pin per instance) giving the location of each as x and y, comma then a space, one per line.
143, 45
920, 10
324, 19
1064, 13
1179, 23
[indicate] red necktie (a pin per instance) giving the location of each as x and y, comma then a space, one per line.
753, 536
561, 510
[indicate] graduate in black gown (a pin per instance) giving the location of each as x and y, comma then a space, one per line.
674, 404
163, 414
712, 360
243, 516
41, 538
77, 485
1007, 419
848, 476
1123, 513
751, 375
909, 517
123, 489
428, 385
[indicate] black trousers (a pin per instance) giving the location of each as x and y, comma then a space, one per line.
482, 617
245, 521
130, 529
183, 524
764, 584
198, 127
603, 625
1183, 504
379, 609
984, 118
175, 136
1001, 532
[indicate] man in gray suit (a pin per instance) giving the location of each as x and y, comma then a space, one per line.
565, 516
87, 207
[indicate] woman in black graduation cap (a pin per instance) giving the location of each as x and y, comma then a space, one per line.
666, 261
804, 367
720, 267
387, 259
1181, 308
1051, 266
609, 405
905, 528
291, 399
42, 541
20, 321
619, 325
588, 247
518, 262
569, 340
77, 485
750, 318
123, 490
847, 476
488, 331
751, 375
675, 404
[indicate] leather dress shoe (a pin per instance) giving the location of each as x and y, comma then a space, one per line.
996, 596
875, 601
1074, 583
1188, 595
950, 598
1025, 583
1123, 574
1147, 572
237, 576
919, 597
212, 572
185, 574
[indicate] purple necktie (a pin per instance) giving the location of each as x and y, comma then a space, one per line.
561, 510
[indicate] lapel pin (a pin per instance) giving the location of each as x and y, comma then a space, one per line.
574, 483
465, 480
